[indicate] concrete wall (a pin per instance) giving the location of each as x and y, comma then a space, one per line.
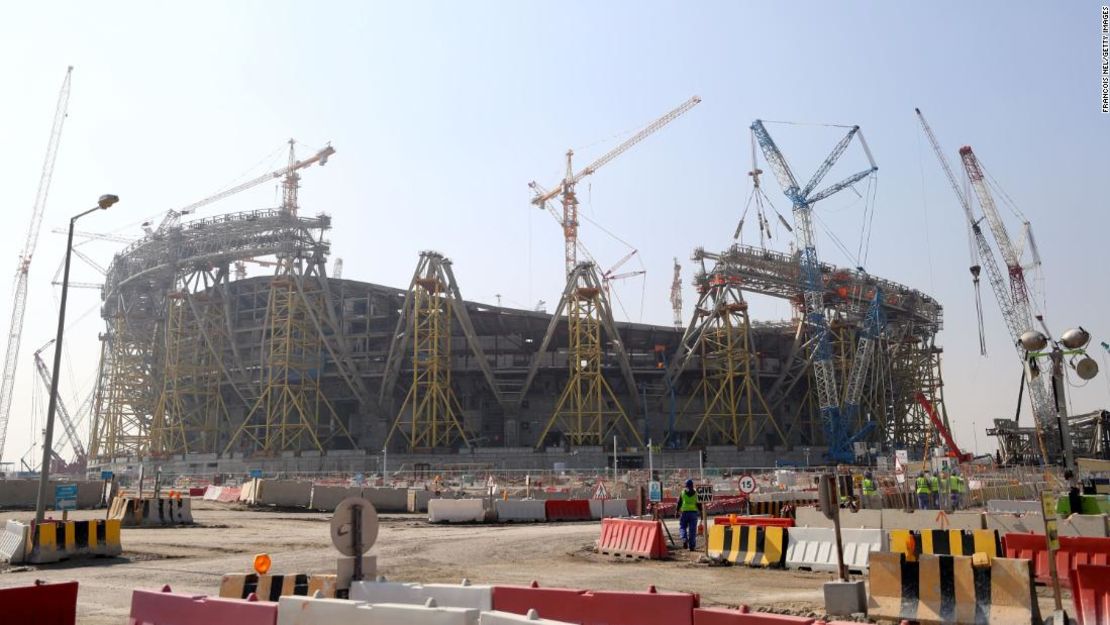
418, 500
326, 498
927, 519
1094, 525
808, 516
1017, 506
284, 493
23, 493
387, 499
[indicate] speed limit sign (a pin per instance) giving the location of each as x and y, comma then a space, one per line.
747, 484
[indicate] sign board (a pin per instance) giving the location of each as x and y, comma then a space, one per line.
860, 447
655, 491
1048, 506
106, 475
899, 470
705, 493
354, 527
601, 492
902, 456
746, 484
256, 473
65, 497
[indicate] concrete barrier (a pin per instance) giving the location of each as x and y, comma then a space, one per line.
383, 591
949, 589
280, 493
326, 498
401, 614
810, 516
387, 499
152, 607
752, 545
814, 548
294, 610
23, 493
456, 511
1013, 506
1092, 525
212, 493
272, 587
508, 618
1006, 523
520, 510
597, 509
132, 512
418, 500
929, 519
614, 508
944, 542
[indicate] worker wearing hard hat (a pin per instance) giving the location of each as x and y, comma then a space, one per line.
922, 489
869, 490
934, 491
689, 509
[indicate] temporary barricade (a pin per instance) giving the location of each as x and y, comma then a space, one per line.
1090, 591
744, 616
404, 614
814, 548
945, 542
632, 538
929, 519
765, 521
294, 610
270, 587
567, 509
614, 508
598, 607
42, 544
40, 603
456, 511
165, 607
197, 492
507, 618
1074, 551
748, 544
151, 511
520, 510
464, 595
13, 542
228, 494
212, 493
949, 589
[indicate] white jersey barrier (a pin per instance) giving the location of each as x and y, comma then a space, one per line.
521, 510
814, 548
456, 511
614, 508
298, 610
464, 595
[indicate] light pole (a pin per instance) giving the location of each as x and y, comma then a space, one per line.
48, 439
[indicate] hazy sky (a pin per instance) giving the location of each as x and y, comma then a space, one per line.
441, 113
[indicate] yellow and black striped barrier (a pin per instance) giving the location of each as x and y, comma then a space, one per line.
945, 543
753, 545
951, 589
270, 587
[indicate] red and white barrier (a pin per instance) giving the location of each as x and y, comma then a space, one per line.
42, 604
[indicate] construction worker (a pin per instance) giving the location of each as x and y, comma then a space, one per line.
869, 490
922, 490
934, 491
955, 488
689, 511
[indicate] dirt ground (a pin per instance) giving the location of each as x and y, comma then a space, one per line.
192, 559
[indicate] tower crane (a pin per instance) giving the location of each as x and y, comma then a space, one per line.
803, 199
566, 186
19, 298
67, 420
290, 183
1013, 300
676, 294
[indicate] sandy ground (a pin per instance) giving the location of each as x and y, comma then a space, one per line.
192, 559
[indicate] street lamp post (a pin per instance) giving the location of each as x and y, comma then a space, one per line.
48, 439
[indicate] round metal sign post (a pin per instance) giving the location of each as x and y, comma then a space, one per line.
354, 528
747, 484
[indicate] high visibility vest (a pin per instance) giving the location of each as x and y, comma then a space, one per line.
922, 486
868, 486
688, 502
956, 484
934, 484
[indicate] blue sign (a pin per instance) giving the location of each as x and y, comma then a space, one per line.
256, 473
65, 497
105, 475
655, 491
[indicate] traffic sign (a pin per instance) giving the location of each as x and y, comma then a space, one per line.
354, 528
655, 491
256, 473
705, 493
65, 497
105, 475
747, 484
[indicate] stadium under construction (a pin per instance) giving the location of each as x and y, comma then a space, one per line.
205, 369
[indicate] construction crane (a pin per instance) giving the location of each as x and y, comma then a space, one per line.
953, 449
67, 421
676, 294
873, 323
290, 184
803, 199
566, 186
19, 298
1013, 299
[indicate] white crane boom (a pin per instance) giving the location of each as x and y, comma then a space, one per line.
19, 298
67, 421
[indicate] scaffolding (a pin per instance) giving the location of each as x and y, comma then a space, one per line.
587, 411
430, 416
291, 413
122, 428
733, 408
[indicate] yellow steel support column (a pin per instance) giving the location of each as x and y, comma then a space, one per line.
587, 412
430, 414
167, 427
287, 414
122, 429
